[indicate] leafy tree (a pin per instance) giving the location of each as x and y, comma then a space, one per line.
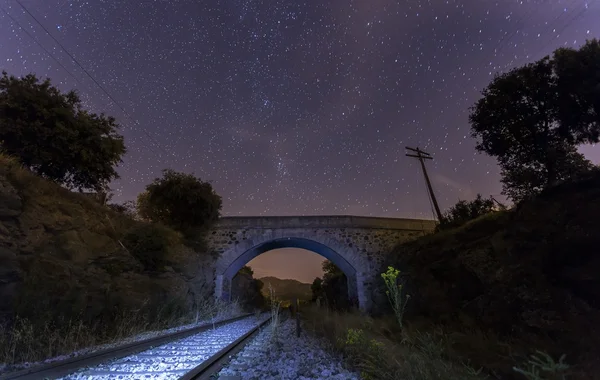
335, 286
317, 289
248, 289
525, 120
578, 83
181, 201
464, 211
522, 180
51, 134
247, 270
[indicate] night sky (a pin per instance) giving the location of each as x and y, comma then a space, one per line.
291, 107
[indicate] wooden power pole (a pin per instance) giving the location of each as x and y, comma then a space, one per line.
421, 155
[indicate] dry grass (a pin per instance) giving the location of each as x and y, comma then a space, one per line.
46, 327
55, 205
27, 342
379, 350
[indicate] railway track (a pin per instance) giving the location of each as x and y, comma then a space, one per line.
195, 353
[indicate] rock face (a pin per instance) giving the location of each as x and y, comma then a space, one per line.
60, 253
533, 271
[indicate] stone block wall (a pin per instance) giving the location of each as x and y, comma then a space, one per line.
357, 245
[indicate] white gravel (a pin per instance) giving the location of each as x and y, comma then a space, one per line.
285, 357
171, 360
137, 338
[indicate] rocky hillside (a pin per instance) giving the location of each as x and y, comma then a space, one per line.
530, 274
63, 255
287, 289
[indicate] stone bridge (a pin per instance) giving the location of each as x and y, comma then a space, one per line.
355, 244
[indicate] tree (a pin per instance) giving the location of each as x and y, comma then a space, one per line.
181, 201
523, 180
247, 271
523, 119
578, 83
317, 289
51, 134
248, 289
335, 286
464, 211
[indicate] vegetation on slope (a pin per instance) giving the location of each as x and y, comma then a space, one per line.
478, 300
73, 271
487, 293
71, 264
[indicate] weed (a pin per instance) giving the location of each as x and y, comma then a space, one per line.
543, 367
275, 308
394, 293
377, 350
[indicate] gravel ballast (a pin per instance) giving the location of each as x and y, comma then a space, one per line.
172, 360
285, 357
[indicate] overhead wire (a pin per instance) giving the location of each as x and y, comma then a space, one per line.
573, 19
127, 115
16, 22
507, 37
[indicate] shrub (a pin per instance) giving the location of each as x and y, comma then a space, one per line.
366, 355
542, 367
150, 243
464, 211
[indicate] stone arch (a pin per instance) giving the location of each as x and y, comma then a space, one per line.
344, 257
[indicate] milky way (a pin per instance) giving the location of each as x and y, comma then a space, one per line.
291, 107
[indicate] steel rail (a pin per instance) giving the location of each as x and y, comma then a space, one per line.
213, 365
65, 367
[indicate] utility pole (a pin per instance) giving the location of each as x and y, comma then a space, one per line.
421, 155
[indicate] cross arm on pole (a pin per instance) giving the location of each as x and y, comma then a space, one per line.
421, 156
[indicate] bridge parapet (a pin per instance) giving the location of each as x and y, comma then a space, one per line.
325, 221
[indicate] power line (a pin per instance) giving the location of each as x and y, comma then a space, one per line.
528, 15
524, 20
507, 37
40, 45
576, 17
93, 79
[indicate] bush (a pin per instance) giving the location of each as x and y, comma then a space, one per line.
463, 212
150, 243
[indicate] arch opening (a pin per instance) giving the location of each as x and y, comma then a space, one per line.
224, 279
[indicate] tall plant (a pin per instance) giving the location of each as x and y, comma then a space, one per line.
394, 293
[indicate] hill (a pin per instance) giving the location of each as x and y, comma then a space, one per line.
63, 259
287, 289
528, 275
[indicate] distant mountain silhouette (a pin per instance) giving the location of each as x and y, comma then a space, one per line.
286, 289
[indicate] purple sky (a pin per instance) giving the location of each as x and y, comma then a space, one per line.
291, 107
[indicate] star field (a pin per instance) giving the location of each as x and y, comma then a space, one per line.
291, 107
